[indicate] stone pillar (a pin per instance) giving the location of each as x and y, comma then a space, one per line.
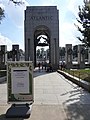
0, 55
54, 52
89, 55
81, 57
68, 56
4, 55
15, 53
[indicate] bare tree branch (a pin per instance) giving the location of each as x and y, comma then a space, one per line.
20, 2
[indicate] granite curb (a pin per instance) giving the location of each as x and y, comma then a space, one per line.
79, 82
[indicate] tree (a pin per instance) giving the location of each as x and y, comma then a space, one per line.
84, 20
1, 14
62, 53
48, 53
21, 52
16, 2
38, 53
42, 52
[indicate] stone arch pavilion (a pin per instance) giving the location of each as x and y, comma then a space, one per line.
42, 20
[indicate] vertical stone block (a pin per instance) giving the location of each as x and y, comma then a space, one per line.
15, 53
81, 57
3, 55
68, 56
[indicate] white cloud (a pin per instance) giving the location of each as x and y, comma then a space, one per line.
68, 31
73, 6
68, 34
15, 13
47, 3
5, 41
21, 44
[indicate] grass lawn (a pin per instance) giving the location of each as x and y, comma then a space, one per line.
83, 74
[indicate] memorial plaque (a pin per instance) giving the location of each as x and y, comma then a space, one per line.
20, 81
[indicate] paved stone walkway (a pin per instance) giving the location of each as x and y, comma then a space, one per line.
55, 98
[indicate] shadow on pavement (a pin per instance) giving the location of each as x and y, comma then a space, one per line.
3, 117
16, 113
78, 111
77, 106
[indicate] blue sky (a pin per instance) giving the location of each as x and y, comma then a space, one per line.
12, 26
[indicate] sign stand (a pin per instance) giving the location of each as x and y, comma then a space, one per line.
18, 111
20, 88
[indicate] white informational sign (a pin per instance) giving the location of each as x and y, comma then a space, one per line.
20, 80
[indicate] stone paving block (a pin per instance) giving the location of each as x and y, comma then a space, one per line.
55, 98
77, 111
48, 112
